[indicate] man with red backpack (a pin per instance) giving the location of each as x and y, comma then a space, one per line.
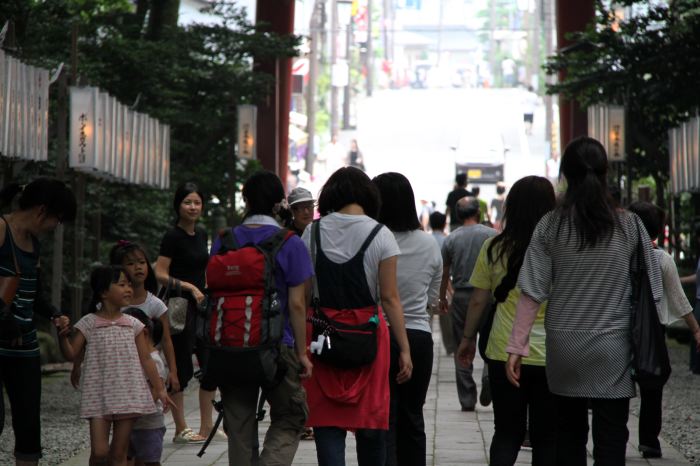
257, 331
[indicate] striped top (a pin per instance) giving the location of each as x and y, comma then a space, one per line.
23, 304
112, 382
588, 316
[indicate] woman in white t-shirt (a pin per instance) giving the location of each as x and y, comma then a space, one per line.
674, 306
355, 265
419, 273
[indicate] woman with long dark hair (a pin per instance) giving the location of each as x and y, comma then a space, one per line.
181, 263
355, 265
42, 205
495, 273
579, 260
418, 275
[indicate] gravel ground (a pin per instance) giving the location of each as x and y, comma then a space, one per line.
63, 433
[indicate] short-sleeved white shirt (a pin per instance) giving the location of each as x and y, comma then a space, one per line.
342, 236
153, 306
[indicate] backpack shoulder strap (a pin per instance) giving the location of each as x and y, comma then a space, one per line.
369, 239
274, 243
228, 241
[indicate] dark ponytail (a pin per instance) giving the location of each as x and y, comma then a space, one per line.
587, 201
263, 192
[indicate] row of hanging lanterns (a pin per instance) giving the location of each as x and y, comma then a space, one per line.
109, 140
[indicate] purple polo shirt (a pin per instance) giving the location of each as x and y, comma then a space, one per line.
293, 265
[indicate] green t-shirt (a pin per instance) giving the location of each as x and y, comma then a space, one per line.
483, 208
488, 276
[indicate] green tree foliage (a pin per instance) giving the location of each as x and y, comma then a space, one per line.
650, 63
190, 77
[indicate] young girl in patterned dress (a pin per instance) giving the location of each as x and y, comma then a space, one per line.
114, 390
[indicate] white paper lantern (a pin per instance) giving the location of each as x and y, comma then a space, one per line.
83, 128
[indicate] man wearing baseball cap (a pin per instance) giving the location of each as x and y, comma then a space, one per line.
301, 201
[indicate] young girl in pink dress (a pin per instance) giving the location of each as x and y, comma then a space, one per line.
114, 390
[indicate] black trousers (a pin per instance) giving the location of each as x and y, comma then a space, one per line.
406, 440
21, 378
650, 417
511, 406
610, 432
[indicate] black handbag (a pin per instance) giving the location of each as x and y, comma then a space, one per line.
341, 345
651, 366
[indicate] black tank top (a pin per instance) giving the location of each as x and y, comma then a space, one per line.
343, 286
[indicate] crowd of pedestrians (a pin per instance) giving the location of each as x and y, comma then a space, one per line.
337, 329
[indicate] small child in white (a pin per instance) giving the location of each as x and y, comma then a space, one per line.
146, 440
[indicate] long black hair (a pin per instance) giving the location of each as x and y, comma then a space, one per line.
349, 185
527, 202
122, 250
263, 194
181, 193
398, 206
101, 279
51, 194
587, 202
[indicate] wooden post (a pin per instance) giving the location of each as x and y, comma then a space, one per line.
61, 157
273, 115
572, 17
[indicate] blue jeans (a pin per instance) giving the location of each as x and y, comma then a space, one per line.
330, 446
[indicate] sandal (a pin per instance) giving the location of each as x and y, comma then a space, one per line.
188, 436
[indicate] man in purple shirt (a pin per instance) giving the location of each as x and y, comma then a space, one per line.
265, 199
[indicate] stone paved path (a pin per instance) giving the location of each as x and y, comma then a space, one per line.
454, 438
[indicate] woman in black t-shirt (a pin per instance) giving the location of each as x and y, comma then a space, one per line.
183, 258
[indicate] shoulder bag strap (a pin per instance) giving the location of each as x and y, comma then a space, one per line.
8, 234
315, 241
369, 239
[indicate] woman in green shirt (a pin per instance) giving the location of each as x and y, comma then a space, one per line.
495, 275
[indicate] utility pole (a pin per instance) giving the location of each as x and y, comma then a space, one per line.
334, 60
370, 51
492, 41
547, 7
440, 25
311, 89
347, 94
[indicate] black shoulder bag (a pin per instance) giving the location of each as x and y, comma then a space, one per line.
651, 367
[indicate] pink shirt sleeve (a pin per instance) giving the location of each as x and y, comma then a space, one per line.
525, 314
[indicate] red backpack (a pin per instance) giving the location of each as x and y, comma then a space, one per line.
244, 323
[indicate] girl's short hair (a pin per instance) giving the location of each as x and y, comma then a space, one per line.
349, 185
50, 193
652, 216
262, 191
154, 326
122, 250
101, 278
398, 206
181, 193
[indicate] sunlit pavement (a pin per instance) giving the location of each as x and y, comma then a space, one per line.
453, 437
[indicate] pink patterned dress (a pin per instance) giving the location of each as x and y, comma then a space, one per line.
113, 383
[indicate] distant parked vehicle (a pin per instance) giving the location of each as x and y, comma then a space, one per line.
481, 156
